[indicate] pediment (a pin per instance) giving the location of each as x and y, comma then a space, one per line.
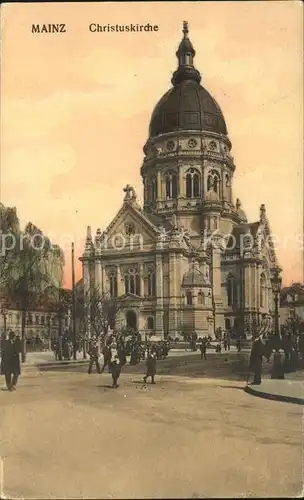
130, 297
130, 229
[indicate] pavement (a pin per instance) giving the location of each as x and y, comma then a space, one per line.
287, 390
72, 436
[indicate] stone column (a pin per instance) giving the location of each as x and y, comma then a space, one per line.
159, 325
181, 182
120, 284
172, 294
142, 279
87, 296
98, 275
159, 185
217, 287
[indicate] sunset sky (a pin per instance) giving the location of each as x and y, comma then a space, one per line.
76, 108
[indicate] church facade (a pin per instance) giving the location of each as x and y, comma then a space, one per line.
188, 259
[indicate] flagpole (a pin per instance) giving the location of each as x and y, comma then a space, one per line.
74, 306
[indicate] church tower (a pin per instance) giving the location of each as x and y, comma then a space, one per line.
188, 167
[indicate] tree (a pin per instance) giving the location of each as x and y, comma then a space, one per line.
101, 308
37, 265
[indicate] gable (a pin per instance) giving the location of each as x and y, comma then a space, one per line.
129, 230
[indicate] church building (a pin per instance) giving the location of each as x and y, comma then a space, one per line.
188, 259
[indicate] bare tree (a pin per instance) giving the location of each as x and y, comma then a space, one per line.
100, 308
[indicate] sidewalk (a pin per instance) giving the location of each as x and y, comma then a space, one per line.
288, 390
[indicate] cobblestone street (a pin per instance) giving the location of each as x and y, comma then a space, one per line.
68, 435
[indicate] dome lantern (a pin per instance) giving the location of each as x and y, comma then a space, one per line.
185, 55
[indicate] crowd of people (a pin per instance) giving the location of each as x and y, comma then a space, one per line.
132, 349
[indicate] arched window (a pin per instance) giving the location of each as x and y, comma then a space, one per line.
232, 290
154, 189
150, 323
151, 284
29, 319
192, 184
215, 222
37, 320
189, 298
263, 290
171, 186
42, 320
113, 284
132, 282
201, 298
213, 181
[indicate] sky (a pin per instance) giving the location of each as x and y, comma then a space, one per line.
76, 108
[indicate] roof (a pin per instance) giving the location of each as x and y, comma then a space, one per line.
195, 278
296, 291
241, 229
187, 106
158, 220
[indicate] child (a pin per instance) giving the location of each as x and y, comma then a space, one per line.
115, 368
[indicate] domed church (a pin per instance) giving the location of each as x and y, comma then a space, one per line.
188, 259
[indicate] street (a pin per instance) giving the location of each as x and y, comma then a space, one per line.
69, 435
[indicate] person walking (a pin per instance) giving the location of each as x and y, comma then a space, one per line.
151, 367
256, 357
277, 371
10, 361
203, 348
107, 356
115, 369
93, 352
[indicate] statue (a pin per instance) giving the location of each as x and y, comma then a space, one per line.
162, 233
207, 274
130, 193
174, 221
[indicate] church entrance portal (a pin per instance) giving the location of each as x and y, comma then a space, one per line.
131, 320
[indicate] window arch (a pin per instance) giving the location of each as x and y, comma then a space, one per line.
153, 189
213, 181
192, 183
201, 298
171, 185
189, 298
113, 284
151, 283
132, 282
263, 290
150, 323
232, 290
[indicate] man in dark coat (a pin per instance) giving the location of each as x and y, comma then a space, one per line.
256, 357
93, 352
10, 361
151, 367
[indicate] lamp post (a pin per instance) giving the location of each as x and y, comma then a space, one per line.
276, 283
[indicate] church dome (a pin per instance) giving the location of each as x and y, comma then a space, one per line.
187, 105
195, 278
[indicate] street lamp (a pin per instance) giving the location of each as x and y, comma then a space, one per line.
276, 283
